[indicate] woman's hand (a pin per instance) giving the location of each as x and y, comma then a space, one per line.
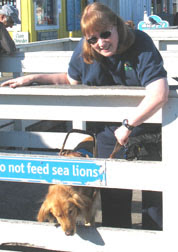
20, 81
122, 134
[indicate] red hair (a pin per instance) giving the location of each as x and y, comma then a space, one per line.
96, 17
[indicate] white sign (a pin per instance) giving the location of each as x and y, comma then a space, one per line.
20, 37
152, 22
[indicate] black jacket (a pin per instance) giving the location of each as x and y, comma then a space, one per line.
7, 45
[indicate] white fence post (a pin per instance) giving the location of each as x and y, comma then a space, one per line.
169, 153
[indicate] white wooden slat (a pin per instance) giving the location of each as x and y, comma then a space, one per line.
39, 140
57, 61
169, 148
101, 239
163, 34
79, 90
63, 44
164, 39
49, 61
71, 104
135, 175
170, 62
79, 125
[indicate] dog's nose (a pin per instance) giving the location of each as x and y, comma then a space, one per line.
69, 232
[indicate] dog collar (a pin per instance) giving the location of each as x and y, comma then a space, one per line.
85, 152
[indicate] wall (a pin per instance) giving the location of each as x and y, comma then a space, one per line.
129, 9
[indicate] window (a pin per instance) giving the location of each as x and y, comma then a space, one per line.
47, 14
10, 2
161, 6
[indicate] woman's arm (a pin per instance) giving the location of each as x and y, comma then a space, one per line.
156, 96
61, 78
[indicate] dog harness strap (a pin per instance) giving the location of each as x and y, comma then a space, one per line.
117, 148
83, 132
85, 152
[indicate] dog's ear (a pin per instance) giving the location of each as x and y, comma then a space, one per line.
81, 201
44, 212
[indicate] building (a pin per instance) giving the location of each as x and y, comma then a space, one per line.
134, 9
52, 19
46, 19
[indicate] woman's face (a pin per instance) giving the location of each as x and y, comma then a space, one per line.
105, 42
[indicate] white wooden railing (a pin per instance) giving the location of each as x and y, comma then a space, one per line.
164, 39
57, 61
64, 44
95, 104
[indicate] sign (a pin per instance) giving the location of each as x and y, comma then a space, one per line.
20, 37
152, 22
54, 171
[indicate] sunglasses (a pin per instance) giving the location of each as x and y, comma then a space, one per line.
104, 35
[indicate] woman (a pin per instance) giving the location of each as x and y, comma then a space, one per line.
110, 53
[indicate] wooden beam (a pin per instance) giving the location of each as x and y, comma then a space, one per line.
100, 239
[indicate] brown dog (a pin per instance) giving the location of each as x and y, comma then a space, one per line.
65, 203
83, 149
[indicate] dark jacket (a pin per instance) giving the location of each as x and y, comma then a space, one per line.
7, 45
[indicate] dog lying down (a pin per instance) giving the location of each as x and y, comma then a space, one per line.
65, 203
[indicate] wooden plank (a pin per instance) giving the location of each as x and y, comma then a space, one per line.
123, 174
169, 142
135, 175
39, 140
100, 239
163, 34
74, 103
170, 61
35, 62
64, 44
57, 61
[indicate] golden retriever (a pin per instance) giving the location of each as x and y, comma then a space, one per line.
65, 203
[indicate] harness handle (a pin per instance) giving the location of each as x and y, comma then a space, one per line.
82, 132
117, 148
